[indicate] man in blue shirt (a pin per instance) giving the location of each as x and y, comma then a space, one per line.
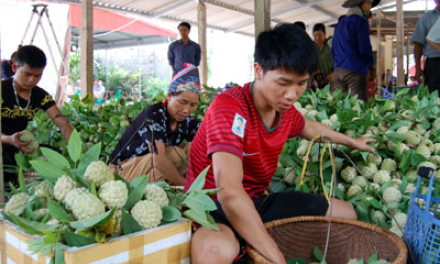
351, 49
422, 46
184, 51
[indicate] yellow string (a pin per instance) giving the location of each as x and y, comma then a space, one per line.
326, 145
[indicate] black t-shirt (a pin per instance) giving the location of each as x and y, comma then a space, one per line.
14, 119
161, 127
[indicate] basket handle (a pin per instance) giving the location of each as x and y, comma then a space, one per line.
428, 173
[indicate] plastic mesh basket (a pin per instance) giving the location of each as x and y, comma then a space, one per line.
422, 229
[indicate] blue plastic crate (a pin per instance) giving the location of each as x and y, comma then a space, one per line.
422, 230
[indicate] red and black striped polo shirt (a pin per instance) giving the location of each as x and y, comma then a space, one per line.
233, 125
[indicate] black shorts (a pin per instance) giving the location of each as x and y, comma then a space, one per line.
280, 205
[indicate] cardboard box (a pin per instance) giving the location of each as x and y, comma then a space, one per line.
167, 244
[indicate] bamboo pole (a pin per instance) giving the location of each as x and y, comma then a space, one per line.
262, 16
400, 43
86, 43
201, 24
379, 60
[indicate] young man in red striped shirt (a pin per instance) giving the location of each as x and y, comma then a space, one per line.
242, 136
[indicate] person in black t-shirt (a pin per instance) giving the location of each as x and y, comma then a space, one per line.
21, 98
163, 126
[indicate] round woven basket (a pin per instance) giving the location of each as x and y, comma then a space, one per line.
297, 236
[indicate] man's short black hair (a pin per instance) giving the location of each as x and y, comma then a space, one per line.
185, 24
300, 24
13, 55
32, 56
289, 47
318, 27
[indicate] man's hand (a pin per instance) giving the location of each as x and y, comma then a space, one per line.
419, 75
16, 142
362, 144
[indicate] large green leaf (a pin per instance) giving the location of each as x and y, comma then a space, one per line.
200, 219
200, 202
129, 224
138, 180
136, 195
47, 170
21, 180
74, 147
297, 261
90, 156
58, 212
170, 214
59, 254
76, 240
199, 183
55, 158
32, 227
93, 222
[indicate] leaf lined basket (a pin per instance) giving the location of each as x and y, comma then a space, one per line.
297, 237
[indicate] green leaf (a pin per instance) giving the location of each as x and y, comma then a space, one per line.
170, 214
395, 137
200, 202
93, 222
76, 240
416, 158
199, 183
210, 191
47, 170
138, 180
318, 254
200, 219
373, 258
297, 261
74, 147
55, 158
21, 180
129, 224
137, 194
32, 227
90, 156
375, 203
59, 254
58, 212
93, 190
399, 124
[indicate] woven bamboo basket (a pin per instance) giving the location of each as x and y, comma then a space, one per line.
297, 236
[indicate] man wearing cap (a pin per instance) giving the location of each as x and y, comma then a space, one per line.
424, 44
150, 145
351, 49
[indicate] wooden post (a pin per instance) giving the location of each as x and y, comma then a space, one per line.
262, 16
408, 45
400, 43
379, 60
86, 45
201, 24
2, 179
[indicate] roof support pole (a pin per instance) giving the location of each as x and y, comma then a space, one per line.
201, 24
262, 16
379, 57
2, 187
86, 45
408, 43
400, 43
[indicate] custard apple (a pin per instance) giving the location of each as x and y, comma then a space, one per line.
40, 213
435, 160
348, 174
427, 164
391, 145
303, 111
27, 136
98, 173
373, 130
376, 159
395, 229
413, 138
369, 170
302, 150
113, 194
53, 221
373, 187
309, 107
424, 151
16, 203
43, 189
388, 165
33, 145
412, 175
360, 181
290, 176
311, 113
419, 129
437, 148
379, 216
428, 143
87, 206
327, 122
353, 191
342, 187
399, 219
349, 133
381, 177
73, 195
147, 214
334, 118
392, 195
156, 194
410, 188
402, 147
62, 186
402, 130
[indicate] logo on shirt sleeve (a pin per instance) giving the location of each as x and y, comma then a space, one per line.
238, 125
